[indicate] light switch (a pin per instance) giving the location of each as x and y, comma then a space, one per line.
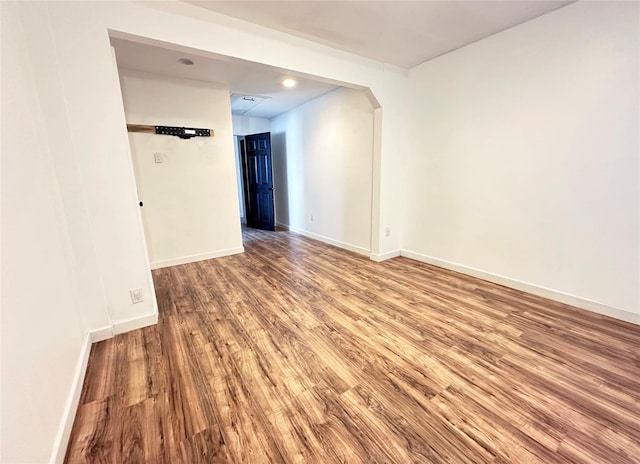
157, 157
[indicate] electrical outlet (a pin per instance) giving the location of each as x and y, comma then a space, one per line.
136, 296
312, 218
157, 157
387, 232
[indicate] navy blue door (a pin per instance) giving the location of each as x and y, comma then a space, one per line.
258, 181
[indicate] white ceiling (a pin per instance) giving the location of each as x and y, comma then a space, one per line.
241, 77
402, 33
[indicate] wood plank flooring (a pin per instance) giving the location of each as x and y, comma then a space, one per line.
299, 352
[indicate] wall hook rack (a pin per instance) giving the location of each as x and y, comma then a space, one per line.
182, 132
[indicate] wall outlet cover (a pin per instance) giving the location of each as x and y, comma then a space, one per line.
136, 296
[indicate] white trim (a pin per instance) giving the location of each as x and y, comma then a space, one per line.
556, 295
282, 226
118, 327
135, 323
103, 333
69, 414
71, 407
194, 258
330, 241
384, 256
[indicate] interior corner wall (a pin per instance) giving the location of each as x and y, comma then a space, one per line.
190, 198
93, 118
42, 328
322, 168
525, 158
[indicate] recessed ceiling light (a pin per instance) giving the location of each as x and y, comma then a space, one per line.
185, 61
289, 82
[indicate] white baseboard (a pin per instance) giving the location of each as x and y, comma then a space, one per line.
135, 323
330, 241
555, 295
103, 333
69, 414
123, 326
195, 258
282, 226
384, 256
97, 335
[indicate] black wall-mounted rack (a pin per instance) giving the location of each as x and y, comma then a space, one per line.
182, 132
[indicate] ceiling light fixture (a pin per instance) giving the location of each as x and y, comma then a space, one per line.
185, 61
289, 82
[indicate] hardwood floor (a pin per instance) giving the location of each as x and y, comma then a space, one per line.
296, 351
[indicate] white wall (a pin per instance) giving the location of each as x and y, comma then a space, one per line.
525, 157
88, 90
88, 97
42, 325
187, 25
246, 125
67, 45
190, 208
558, 66
322, 166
